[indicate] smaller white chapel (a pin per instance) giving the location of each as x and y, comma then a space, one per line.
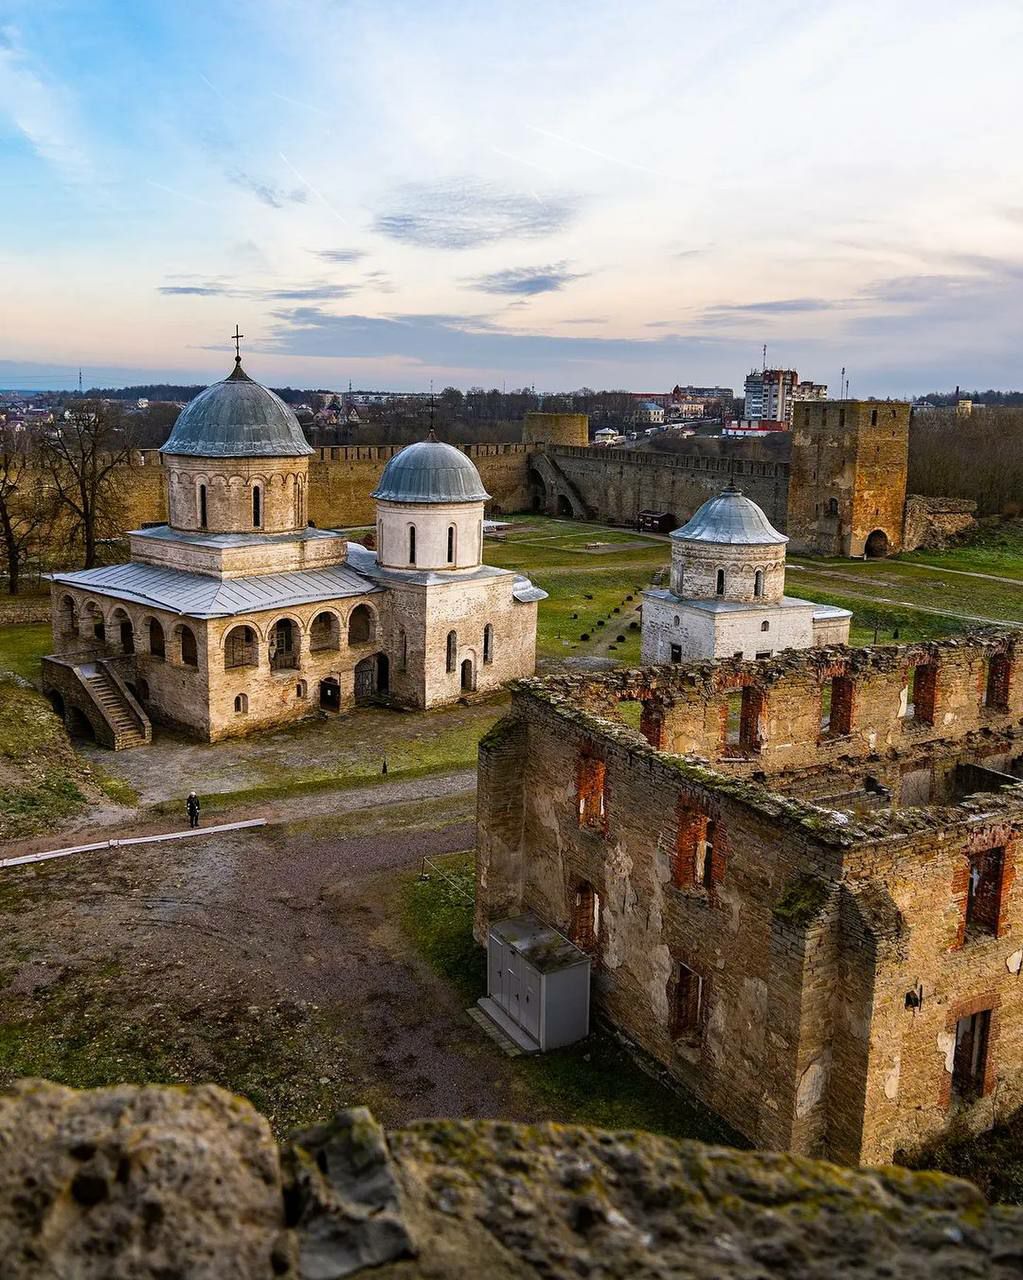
727, 591
238, 615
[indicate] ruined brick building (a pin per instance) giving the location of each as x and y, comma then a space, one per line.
797, 877
239, 614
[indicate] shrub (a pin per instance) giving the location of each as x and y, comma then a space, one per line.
620, 639
585, 636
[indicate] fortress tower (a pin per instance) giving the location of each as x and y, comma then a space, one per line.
847, 483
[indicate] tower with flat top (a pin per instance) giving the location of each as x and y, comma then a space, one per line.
847, 481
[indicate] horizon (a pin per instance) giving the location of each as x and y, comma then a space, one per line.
392, 193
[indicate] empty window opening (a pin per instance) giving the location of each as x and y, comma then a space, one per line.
696, 846
590, 782
765, 626
257, 507
451, 544
832, 506
686, 998
488, 643
412, 544
719, 586
921, 694
157, 647
452, 651
241, 704
758, 588
202, 506
301, 689
984, 891
742, 714
969, 1064
360, 625
584, 925
189, 650
240, 648
873, 417
836, 706
996, 688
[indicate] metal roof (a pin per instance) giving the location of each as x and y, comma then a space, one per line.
164, 533
430, 471
365, 562
237, 418
730, 519
197, 595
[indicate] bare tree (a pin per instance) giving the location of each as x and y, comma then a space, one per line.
87, 453
26, 506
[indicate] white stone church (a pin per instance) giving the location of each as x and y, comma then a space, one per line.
727, 591
238, 615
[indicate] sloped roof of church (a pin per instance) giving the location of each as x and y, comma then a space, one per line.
430, 471
237, 418
730, 519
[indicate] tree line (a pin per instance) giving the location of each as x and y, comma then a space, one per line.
978, 457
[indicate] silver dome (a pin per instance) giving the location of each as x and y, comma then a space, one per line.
430, 471
237, 418
731, 520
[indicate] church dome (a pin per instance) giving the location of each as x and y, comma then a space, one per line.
430, 471
237, 418
730, 519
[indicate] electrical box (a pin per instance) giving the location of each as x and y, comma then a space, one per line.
538, 984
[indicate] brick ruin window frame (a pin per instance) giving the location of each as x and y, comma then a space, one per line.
979, 1073
687, 1002
698, 854
985, 887
584, 919
752, 704
842, 694
996, 685
922, 693
591, 793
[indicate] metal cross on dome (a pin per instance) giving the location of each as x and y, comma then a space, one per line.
237, 345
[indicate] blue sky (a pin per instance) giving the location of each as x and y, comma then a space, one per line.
613, 195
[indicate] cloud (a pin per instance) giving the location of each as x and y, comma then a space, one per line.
468, 213
274, 197
338, 255
315, 292
778, 306
194, 290
41, 112
525, 280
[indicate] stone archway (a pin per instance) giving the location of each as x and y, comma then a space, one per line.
877, 545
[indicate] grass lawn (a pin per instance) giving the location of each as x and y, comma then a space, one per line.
996, 547
22, 646
594, 1082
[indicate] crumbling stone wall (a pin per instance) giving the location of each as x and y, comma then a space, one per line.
936, 522
828, 936
147, 1183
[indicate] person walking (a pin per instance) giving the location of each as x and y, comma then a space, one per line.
192, 809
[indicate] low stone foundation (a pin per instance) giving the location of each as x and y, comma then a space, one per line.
936, 522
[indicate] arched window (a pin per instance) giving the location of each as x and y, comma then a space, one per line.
240, 648
452, 654
360, 625
832, 506
412, 544
301, 689
241, 704
157, 647
257, 507
758, 583
283, 645
189, 650
202, 506
68, 620
299, 504
451, 544
325, 632
488, 643
720, 585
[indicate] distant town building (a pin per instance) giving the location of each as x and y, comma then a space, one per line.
771, 394
752, 427
649, 412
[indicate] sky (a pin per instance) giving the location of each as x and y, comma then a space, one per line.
613, 195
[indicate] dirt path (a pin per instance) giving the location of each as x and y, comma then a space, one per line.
106, 823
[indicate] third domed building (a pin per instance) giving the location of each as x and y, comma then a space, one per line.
726, 597
238, 614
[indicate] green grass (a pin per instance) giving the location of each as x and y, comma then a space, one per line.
594, 1082
22, 646
40, 776
996, 547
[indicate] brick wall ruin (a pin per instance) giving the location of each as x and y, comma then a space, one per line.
805, 875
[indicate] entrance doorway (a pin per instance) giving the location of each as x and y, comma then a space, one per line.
127, 637
564, 507
366, 679
468, 676
330, 694
877, 545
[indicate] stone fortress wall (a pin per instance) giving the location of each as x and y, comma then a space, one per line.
859, 468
